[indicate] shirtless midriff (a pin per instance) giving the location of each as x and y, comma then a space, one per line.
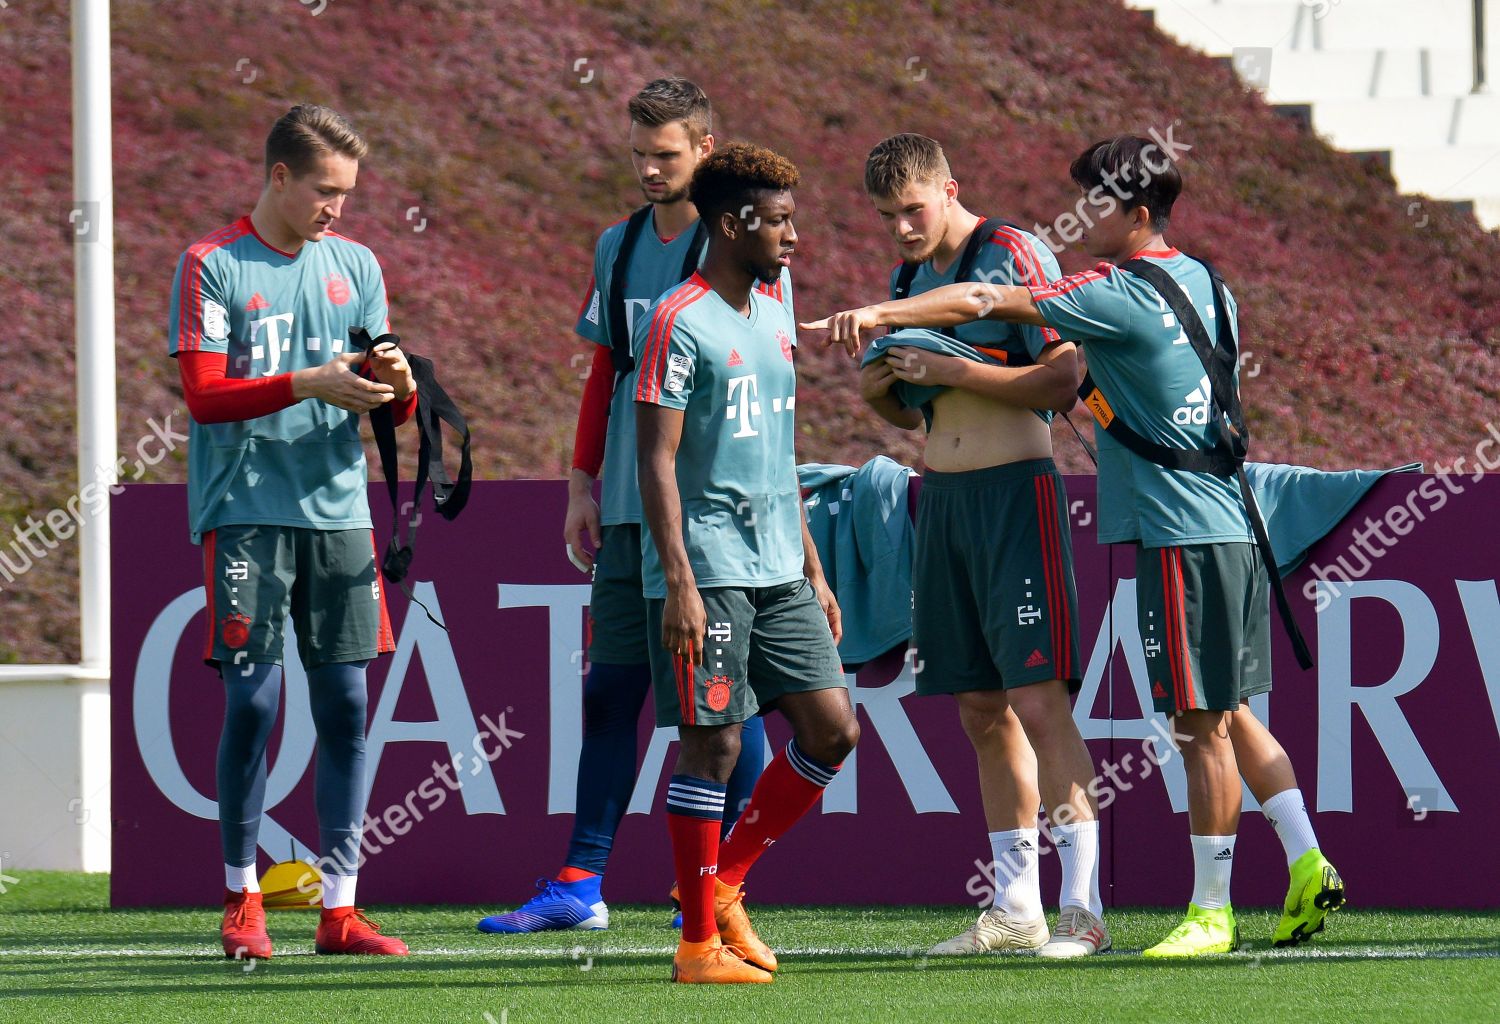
972, 431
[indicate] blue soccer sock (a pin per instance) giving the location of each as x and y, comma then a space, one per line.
252, 694
746, 771
337, 696
613, 696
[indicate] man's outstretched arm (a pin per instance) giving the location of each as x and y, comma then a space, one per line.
947, 306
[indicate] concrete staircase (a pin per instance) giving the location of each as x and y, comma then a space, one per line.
1387, 77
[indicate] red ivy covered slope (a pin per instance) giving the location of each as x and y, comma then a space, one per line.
1373, 322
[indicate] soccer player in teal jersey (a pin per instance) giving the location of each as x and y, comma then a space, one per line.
260, 317
742, 620
995, 612
1201, 585
671, 132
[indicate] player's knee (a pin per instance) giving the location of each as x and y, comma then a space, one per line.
1043, 710
983, 715
832, 742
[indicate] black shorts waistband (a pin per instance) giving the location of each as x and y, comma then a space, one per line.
989, 476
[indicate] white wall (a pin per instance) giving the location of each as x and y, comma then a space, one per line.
54, 768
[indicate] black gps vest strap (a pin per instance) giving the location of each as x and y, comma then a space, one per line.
619, 327
449, 496
1225, 458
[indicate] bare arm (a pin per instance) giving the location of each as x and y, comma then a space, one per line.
875, 382
658, 434
1051, 383
948, 306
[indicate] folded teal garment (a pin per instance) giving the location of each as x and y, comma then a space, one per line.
1301, 505
859, 523
919, 396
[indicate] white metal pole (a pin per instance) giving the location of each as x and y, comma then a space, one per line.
92, 222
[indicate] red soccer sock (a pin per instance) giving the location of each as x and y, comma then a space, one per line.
786, 791
572, 874
695, 846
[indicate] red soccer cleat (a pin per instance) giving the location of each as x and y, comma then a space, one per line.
348, 930
244, 927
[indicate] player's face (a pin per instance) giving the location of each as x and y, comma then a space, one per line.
665, 158
309, 204
765, 238
1113, 229
917, 218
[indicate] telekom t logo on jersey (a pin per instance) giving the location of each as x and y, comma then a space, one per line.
275, 339
744, 404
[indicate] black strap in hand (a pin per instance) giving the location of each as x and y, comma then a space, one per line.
449, 496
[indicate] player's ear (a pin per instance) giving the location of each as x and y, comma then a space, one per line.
705, 146
950, 189
730, 225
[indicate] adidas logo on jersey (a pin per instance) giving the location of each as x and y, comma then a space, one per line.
1224, 854
1158, 691
1195, 412
257, 302
1022, 846
734, 358
1036, 660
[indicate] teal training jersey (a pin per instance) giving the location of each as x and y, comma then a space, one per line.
1142, 361
1011, 256
734, 380
655, 266
272, 313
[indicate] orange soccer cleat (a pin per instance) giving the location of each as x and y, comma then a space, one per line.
734, 925
713, 963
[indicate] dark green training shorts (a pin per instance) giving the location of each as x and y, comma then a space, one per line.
617, 611
762, 643
326, 579
993, 600
1204, 617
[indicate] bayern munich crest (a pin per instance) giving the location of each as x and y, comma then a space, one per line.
235, 630
718, 692
338, 289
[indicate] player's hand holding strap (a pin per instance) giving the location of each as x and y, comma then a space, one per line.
389, 366
336, 383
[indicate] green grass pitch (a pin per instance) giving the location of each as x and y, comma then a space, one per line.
64, 956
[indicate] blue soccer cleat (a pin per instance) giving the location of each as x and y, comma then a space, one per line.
555, 907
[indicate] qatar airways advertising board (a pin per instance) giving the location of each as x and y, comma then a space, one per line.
474, 732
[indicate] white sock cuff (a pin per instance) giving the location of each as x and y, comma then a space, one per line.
1074, 828
239, 879
338, 891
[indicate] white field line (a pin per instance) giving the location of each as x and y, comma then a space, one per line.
917, 955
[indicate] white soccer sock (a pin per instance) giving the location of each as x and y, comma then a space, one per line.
1287, 813
1018, 886
1077, 846
338, 891
239, 879
1213, 859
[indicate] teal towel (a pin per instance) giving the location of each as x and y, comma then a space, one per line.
1302, 506
859, 524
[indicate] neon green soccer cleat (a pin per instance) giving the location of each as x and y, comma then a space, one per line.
1201, 933
1316, 891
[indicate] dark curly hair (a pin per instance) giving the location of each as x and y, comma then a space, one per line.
733, 176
